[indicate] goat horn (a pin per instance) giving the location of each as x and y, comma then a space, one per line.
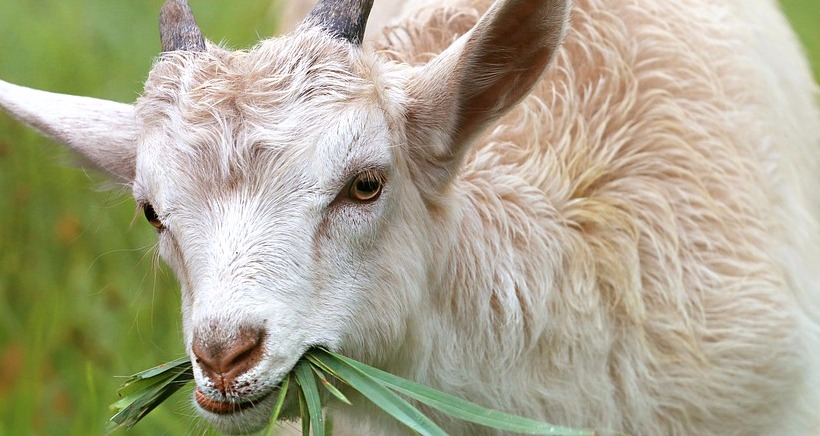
345, 19
178, 29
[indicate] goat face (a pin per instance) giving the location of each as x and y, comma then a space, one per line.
282, 207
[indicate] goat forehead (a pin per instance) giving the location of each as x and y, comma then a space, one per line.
309, 154
228, 116
285, 164
300, 68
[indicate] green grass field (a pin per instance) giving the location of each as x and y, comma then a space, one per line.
83, 297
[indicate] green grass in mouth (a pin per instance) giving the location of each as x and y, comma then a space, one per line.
144, 391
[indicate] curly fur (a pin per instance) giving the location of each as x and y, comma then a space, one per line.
635, 240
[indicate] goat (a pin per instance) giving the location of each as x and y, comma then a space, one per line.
617, 232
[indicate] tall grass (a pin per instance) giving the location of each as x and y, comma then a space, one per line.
82, 296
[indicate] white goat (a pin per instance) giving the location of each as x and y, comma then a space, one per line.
628, 242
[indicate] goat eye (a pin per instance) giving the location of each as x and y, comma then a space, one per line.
152, 217
365, 187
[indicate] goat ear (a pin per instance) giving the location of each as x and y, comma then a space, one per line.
104, 132
478, 78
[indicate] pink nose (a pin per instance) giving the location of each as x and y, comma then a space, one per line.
223, 361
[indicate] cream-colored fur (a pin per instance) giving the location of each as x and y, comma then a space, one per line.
666, 168
632, 248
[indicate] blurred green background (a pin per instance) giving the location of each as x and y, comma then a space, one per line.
82, 295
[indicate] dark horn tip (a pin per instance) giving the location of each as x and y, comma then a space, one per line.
178, 29
344, 19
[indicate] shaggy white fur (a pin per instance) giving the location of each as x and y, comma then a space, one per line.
627, 243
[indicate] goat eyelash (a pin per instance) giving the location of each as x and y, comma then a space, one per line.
363, 187
147, 209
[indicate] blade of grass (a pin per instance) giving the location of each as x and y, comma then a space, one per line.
280, 399
329, 425
307, 381
382, 397
182, 363
319, 363
458, 407
134, 407
134, 387
329, 386
146, 379
303, 413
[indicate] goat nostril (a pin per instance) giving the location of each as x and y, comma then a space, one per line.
240, 353
223, 361
244, 353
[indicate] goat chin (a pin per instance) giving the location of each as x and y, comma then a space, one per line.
601, 214
246, 420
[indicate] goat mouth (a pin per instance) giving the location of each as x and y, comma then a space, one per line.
218, 407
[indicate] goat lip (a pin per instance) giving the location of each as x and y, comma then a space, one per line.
224, 407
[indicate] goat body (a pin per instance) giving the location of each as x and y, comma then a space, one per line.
626, 242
